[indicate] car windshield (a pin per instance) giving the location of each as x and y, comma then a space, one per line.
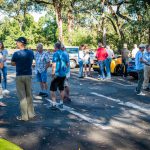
72, 50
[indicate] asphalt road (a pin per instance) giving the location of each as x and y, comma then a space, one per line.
103, 115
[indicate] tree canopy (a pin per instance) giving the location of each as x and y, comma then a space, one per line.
75, 22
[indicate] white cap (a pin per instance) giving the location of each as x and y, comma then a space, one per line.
142, 45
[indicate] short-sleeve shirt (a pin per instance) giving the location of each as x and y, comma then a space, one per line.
101, 54
125, 54
138, 64
146, 57
80, 56
23, 60
41, 60
61, 59
68, 68
5, 54
110, 53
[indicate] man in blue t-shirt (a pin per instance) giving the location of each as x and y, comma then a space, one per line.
60, 64
22, 59
139, 63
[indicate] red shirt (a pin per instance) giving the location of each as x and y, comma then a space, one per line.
101, 54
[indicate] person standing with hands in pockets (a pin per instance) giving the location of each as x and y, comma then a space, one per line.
23, 59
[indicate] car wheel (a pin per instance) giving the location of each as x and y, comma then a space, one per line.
73, 64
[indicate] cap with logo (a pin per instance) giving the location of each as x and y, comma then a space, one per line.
22, 40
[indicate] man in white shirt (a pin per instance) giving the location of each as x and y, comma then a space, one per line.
135, 50
108, 61
81, 60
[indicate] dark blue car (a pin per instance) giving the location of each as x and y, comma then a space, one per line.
131, 69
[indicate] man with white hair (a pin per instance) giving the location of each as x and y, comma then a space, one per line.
42, 62
139, 63
108, 61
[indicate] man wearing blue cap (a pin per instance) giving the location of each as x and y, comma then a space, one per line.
23, 59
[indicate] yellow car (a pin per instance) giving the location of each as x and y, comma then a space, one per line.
115, 66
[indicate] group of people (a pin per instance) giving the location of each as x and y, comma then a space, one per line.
104, 57
23, 61
142, 61
84, 61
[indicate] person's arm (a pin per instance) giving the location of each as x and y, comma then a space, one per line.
53, 69
33, 63
13, 60
47, 60
54, 60
5, 55
113, 55
143, 59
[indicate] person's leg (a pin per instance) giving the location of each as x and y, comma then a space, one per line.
89, 69
146, 77
85, 69
4, 70
53, 89
126, 72
67, 89
28, 87
21, 92
101, 65
140, 81
81, 69
107, 64
61, 89
39, 79
44, 81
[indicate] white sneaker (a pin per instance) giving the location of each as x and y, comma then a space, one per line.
141, 94
5, 92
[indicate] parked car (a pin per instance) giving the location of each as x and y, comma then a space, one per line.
116, 65
73, 55
131, 69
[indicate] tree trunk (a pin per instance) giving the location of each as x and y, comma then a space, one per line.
70, 25
149, 35
58, 11
104, 32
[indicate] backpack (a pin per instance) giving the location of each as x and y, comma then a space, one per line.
62, 65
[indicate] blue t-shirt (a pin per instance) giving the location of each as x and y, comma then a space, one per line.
61, 59
146, 57
139, 65
23, 60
